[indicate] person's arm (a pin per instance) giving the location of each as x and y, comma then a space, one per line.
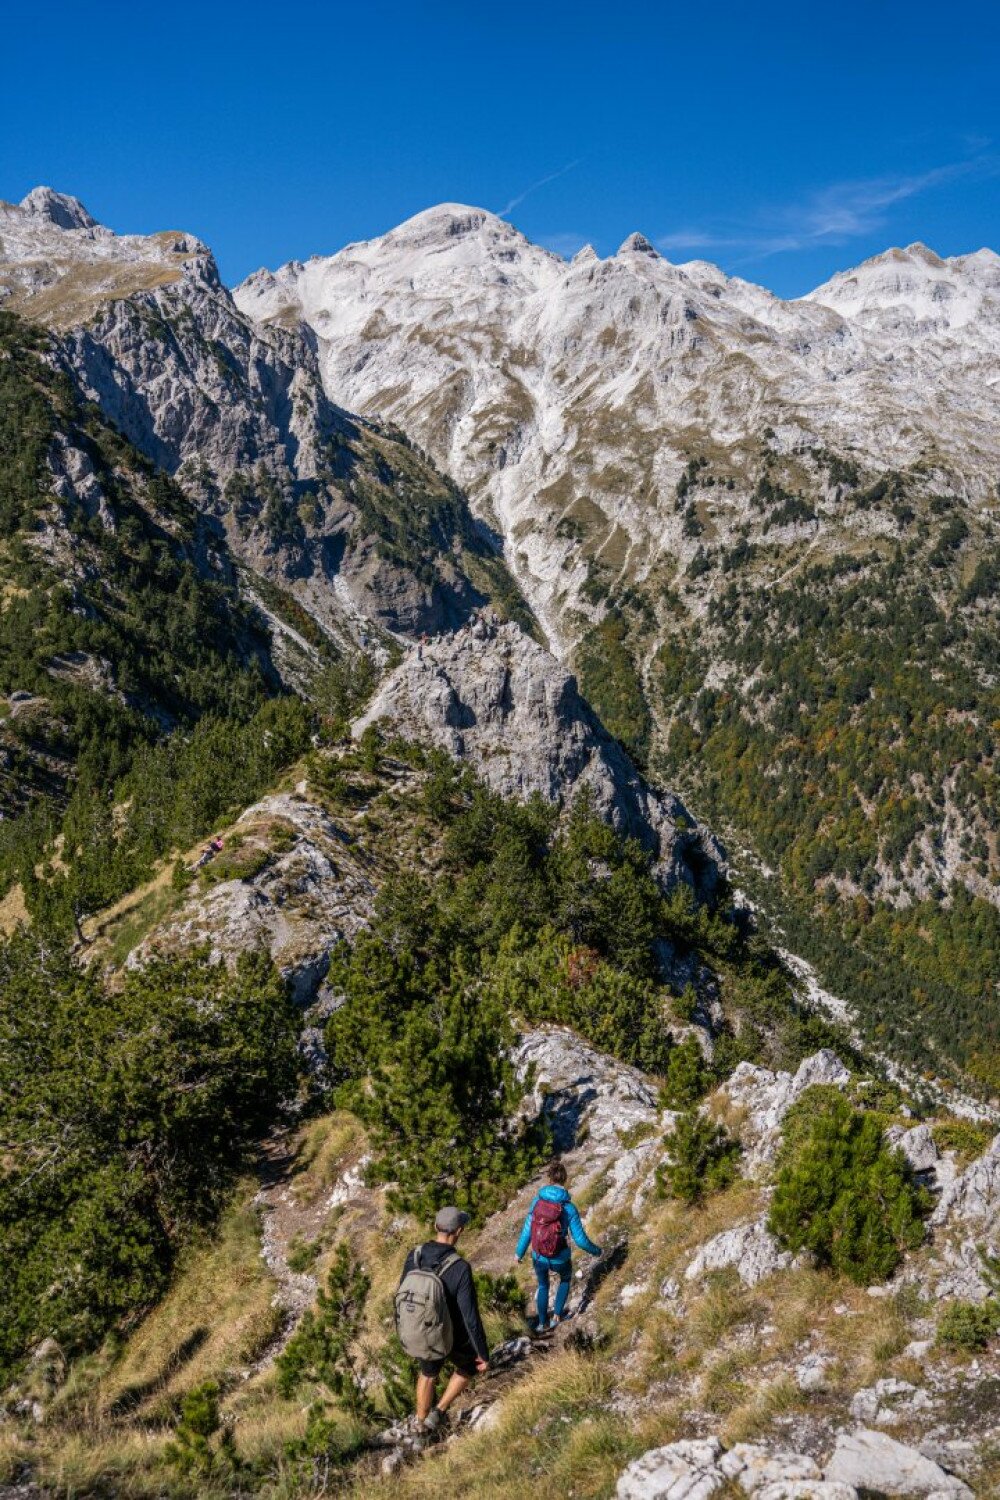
525, 1239
465, 1296
578, 1232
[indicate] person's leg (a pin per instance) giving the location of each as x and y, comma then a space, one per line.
426, 1386
456, 1385
562, 1290
542, 1295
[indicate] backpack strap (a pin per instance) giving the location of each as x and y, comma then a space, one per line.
447, 1263
450, 1259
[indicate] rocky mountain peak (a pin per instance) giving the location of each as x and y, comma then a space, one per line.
919, 286
447, 228
60, 209
637, 244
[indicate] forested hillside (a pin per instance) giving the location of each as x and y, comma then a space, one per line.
140, 700
843, 721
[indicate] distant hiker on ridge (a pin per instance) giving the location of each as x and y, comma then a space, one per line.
437, 1318
552, 1218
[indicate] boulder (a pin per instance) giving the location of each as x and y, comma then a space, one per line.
810, 1373
917, 1145
807, 1489
756, 1469
873, 1461
678, 1471
697, 1468
751, 1248
887, 1402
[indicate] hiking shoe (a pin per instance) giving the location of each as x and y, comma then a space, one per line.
435, 1421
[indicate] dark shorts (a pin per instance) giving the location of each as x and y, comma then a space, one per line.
462, 1358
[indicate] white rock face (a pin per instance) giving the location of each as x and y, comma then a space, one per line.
974, 1197
695, 1469
679, 1471
750, 1248
566, 391
493, 696
887, 1402
151, 334
917, 1145
875, 1461
585, 1092
304, 901
811, 1372
767, 1096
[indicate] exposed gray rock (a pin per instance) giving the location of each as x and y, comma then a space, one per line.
495, 697
876, 1462
954, 1268
750, 1248
974, 1197
697, 1468
582, 1092
887, 1402
766, 1097
679, 1471
807, 1489
811, 1372
917, 1145
756, 1469
306, 898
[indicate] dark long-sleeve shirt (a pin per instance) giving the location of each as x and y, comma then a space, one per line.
460, 1291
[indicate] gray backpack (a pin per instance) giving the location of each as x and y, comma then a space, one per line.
423, 1321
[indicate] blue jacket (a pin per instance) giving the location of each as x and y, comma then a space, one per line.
572, 1225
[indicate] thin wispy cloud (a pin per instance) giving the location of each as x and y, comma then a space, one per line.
831, 216
533, 188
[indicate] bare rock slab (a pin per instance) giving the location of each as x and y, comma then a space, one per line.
875, 1462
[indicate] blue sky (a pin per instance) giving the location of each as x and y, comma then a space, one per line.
784, 141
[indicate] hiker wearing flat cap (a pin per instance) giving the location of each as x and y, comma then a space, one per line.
552, 1220
437, 1318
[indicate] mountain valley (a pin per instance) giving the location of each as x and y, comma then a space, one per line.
458, 705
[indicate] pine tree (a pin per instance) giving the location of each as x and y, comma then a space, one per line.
844, 1194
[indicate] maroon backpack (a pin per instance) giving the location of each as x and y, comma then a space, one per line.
547, 1236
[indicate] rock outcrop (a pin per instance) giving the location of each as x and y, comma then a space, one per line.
306, 889
876, 1463
750, 1248
698, 1468
973, 1199
863, 1463
765, 1097
493, 696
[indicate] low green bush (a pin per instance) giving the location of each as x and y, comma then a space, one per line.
688, 1076
843, 1193
969, 1325
703, 1159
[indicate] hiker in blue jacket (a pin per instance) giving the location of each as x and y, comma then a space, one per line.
552, 1219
